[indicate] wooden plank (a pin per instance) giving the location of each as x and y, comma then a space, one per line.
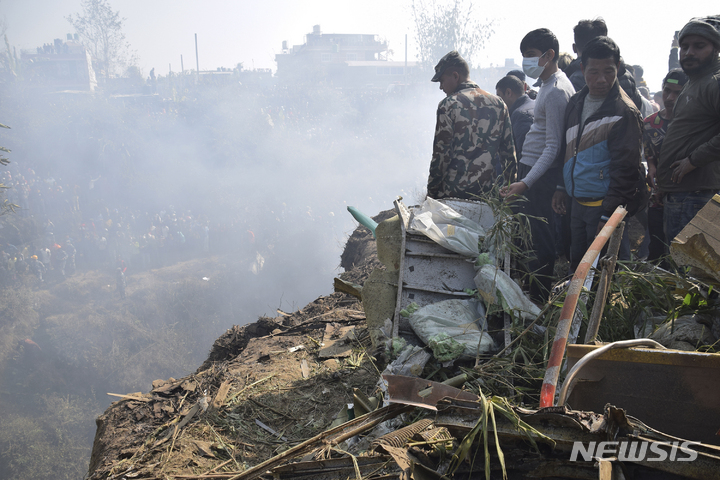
221, 394
131, 397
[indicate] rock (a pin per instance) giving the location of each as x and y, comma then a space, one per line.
686, 333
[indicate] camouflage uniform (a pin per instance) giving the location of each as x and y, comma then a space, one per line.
472, 126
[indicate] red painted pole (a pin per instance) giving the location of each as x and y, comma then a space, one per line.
547, 393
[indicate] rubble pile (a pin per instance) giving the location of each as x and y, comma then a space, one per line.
337, 390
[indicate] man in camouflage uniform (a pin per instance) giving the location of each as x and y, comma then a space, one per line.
472, 127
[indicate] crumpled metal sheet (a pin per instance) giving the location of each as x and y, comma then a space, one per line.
422, 393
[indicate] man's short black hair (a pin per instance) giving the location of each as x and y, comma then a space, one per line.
517, 73
542, 39
600, 48
586, 30
515, 85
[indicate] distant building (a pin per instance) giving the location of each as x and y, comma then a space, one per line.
488, 77
341, 60
60, 66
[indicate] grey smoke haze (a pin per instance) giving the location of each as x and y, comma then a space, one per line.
232, 32
281, 163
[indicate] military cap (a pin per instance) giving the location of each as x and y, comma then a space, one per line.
452, 59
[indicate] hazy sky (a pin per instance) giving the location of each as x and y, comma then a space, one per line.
252, 32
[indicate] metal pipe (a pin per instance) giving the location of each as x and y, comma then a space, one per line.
570, 379
604, 285
547, 393
197, 58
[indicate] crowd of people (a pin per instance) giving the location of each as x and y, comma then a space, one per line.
111, 237
577, 147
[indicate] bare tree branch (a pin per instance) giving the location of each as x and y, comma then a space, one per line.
101, 32
441, 27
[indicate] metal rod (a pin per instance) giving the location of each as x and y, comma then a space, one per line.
405, 69
604, 284
197, 58
547, 393
398, 298
570, 379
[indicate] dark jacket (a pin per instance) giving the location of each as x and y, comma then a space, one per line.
574, 73
695, 133
627, 82
602, 160
521, 118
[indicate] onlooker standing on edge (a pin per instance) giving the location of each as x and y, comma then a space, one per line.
688, 172
585, 31
472, 127
601, 152
537, 171
654, 130
521, 107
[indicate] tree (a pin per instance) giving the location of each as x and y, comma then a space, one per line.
443, 27
101, 31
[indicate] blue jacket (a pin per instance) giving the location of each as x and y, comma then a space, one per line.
602, 161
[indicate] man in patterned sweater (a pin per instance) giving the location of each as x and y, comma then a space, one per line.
472, 127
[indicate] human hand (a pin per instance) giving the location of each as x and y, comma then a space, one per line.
651, 171
681, 168
516, 188
559, 202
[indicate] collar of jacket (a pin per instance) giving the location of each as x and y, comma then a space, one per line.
573, 67
519, 102
465, 86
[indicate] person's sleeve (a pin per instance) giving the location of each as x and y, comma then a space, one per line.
651, 154
521, 123
442, 145
506, 149
709, 151
555, 104
562, 151
624, 144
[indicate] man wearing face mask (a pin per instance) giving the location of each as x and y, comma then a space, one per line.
601, 151
537, 173
472, 127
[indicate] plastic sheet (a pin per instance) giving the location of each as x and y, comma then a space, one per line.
447, 227
490, 281
461, 320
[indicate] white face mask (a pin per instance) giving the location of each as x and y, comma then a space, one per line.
531, 68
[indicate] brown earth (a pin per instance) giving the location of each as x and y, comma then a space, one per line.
250, 375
